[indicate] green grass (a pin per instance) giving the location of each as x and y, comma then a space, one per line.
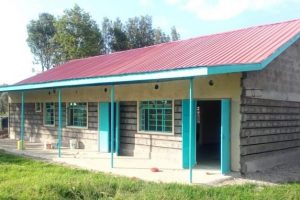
24, 178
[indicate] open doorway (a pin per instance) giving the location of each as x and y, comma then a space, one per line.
208, 133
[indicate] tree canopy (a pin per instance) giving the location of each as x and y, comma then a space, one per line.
136, 32
140, 31
76, 35
40, 40
3, 103
119, 41
174, 34
160, 36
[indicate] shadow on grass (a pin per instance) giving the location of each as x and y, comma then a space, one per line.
6, 158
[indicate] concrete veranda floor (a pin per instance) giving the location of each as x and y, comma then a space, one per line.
123, 165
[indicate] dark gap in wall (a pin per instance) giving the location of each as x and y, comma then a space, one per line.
208, 132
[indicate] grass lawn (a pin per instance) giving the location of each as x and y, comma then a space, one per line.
23, 178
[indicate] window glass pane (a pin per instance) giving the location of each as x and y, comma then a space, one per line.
156, 116
168, 104
49, 114
168, 111
168, 123
168, 129
38, 107
159, 128
168, 117
77, 114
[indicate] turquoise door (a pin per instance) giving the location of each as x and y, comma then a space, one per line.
186, 133
225, 136
104, 128
117, 131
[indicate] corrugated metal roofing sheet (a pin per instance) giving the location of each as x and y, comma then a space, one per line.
245, 46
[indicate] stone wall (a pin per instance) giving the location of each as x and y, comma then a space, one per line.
268, 128
280, 80
35, 130
149, 145
270, 110
132, 143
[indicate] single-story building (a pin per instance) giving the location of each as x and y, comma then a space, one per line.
231, 99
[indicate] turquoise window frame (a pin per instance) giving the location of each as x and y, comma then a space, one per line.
77, 114
49, 114
156, 117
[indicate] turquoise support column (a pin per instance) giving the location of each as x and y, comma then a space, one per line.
117, 128
112, 129
191, 128
186, 133
225, 136
99, 127
59, 129
22, 121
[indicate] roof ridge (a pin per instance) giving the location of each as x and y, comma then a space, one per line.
250, 27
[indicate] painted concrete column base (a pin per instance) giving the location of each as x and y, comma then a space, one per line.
20, 145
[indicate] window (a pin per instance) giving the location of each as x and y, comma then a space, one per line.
49, 114
38, 107
77, 114
156, 116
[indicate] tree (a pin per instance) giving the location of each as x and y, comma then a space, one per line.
119, 41
174, 34
140, 32
78, 35
160, 36
146, 31
132, 29
107, 35
40, 40
114, 36
3, 103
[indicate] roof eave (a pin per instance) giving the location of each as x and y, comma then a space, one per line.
112, 80
154, 76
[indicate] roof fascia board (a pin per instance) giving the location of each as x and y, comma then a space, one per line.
280, 50
255, 66
120, 79
225, 69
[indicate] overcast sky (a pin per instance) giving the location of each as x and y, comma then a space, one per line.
191, 17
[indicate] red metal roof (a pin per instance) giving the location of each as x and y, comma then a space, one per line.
245, 46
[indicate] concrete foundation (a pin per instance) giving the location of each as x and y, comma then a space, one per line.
271, 160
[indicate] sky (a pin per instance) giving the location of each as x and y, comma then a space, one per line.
192, 18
